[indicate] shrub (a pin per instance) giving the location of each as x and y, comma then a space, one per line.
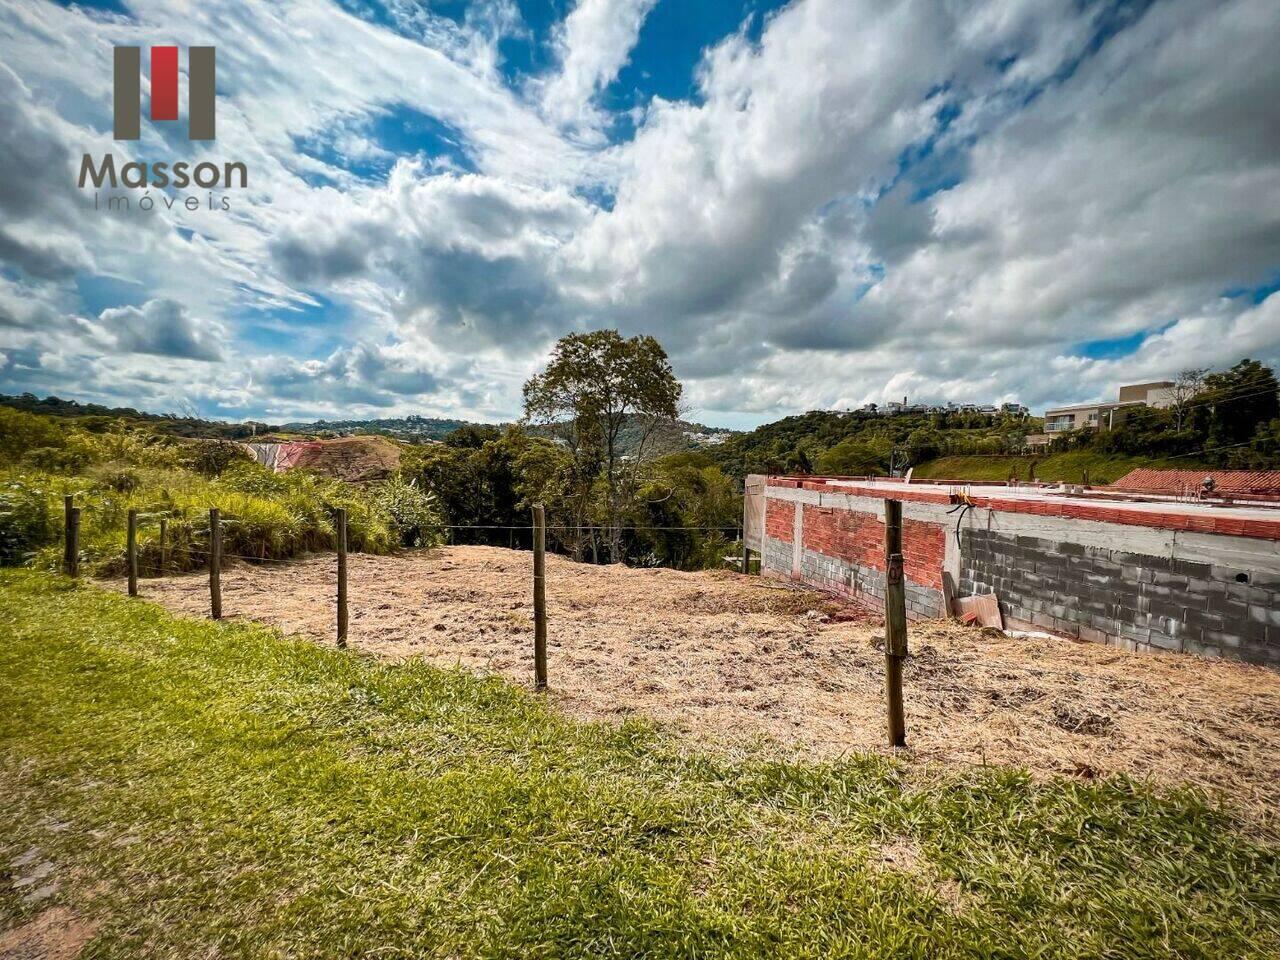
213, 457
412, 512
20, 432
25, 524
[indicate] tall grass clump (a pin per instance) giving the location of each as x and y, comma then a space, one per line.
265, 515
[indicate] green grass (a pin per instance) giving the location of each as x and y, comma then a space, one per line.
215, 789
1069, 467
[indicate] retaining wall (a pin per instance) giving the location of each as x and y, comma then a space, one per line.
1121, 580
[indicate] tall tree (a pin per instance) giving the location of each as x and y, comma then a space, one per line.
1188, 385
1238, 401
594, 385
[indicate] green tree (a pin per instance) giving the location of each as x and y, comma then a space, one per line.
852, 458
684, 513
594, 385
1237, 401
20, 432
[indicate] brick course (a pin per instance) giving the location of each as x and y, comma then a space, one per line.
779, 521
843, 552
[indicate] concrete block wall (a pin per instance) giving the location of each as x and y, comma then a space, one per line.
1207, 585
1136, 600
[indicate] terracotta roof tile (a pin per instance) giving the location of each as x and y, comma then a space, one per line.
1238, 482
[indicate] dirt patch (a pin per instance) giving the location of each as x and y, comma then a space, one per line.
734, 660
351, 458
55, 934
901, 854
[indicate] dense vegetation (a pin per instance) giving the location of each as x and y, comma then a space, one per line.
482, 481
94, 417
1074, 466
209, 789
667, 437
866, 444
683, 510
266, 515
1229, 419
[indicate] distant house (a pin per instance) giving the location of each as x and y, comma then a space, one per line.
1104, 415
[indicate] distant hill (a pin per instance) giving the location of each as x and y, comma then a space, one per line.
863, 442
676, 437
681, 435
413, 429
96, 417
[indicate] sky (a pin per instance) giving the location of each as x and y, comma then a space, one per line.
811, 204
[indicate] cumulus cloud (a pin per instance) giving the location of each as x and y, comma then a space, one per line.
861, 201
468, 258
161, 328
592, 43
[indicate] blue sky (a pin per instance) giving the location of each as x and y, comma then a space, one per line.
812, 204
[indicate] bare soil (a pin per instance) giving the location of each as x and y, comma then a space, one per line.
55, 934
744, 663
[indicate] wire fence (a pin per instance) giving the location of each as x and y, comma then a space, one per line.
214, 555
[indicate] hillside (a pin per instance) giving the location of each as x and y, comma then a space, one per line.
96, 418
670, 438
413, 429
864, 443
1068, 467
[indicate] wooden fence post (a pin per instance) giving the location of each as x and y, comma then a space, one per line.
75, 541
215, 564
69, 545
895, 621
131, 551
341, 523
539, 597
164, 546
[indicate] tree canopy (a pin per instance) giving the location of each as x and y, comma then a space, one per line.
593, 386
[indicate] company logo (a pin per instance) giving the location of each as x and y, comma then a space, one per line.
201, 83
163, 176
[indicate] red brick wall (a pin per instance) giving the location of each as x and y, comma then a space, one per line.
780, 520
859, 538
853, 537
923, 546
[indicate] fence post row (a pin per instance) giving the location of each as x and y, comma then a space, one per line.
215, 563
895, 621
131, 552
340, 523
539, 598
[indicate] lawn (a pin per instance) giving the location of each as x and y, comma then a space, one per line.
202, 789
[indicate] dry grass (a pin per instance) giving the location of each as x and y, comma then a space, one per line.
736, 662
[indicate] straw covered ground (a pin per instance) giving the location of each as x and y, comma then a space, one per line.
745, 663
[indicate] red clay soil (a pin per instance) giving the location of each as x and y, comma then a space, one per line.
352, 458
738, 662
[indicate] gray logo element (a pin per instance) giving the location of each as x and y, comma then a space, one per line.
201, 90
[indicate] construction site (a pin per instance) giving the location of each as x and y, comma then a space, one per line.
749, 664
1145, 571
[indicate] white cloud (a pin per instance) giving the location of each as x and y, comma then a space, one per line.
593, 44
161, 328
870, 199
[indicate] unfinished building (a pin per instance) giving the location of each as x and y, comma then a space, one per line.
1142, 572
